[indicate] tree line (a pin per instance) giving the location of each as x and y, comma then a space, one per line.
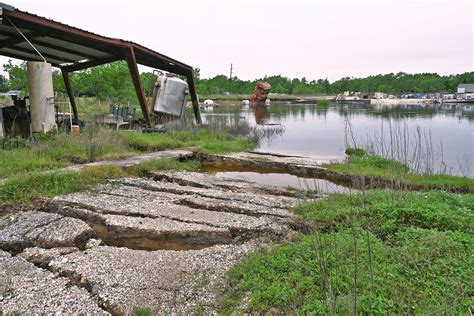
389, 83
112, 81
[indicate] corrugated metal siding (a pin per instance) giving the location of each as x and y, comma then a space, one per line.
28, 56
72, 46
54, 52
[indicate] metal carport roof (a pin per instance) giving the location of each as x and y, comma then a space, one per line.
30, 37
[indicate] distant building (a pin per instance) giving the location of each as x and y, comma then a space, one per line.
465, 88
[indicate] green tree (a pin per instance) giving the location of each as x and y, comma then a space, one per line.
17, 78
3, 84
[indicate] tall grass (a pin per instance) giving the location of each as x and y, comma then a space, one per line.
381, 252
59, 149
416, 149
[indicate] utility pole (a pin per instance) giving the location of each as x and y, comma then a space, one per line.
230, 77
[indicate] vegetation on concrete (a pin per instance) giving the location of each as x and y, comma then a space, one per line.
378, 252
359, 163
24, 188
202, 139
59, 149
166, 164
142, 311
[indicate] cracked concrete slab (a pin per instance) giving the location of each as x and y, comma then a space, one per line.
248, 195
28, 229
211, 181
28, 290
190, 208
166, 281
41, 257
139, 232
162, 244
136, 160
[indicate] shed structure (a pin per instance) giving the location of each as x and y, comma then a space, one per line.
466, 88
30, 37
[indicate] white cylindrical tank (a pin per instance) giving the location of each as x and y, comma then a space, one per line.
170, 95
40, 81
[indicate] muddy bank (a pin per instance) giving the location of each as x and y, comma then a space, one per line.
306, 167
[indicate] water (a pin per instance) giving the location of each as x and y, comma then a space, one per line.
284, 180
447, 130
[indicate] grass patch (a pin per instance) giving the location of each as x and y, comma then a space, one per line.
358, 163
375, 253
384, 212
205, 141
142, 311
167, 164
24, 188
21, 190
59, 149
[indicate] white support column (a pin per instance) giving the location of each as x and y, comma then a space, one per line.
40, 81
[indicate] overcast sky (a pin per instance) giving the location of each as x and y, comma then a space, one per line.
296, 38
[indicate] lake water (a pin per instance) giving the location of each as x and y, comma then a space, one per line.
445, 133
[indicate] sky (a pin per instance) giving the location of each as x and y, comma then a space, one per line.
295, 38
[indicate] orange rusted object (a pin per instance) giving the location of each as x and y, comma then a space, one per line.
260, 94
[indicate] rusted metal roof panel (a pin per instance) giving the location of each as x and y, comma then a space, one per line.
10, 52
71, 57
80, 49
73, 44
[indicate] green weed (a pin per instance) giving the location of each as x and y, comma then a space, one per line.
167, 164
204, 140
374, 253
24, 188
142, 311
358, 164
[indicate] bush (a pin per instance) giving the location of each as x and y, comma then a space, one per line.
355, 151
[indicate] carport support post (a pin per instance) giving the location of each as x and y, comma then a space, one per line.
194, 98
67, 83
133, 68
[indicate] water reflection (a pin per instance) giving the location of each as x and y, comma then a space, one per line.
284, 180
261, 113
319, 132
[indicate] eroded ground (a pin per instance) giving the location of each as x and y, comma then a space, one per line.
161, 243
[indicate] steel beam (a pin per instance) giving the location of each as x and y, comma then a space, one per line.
194, 97
133, 68
16, 39
67, 83
61, 49
89, 64
47, 56
26, 58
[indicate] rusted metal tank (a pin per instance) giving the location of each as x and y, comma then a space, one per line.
169, 96
260, 94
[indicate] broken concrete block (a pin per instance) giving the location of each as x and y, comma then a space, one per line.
28, 290
29, 229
